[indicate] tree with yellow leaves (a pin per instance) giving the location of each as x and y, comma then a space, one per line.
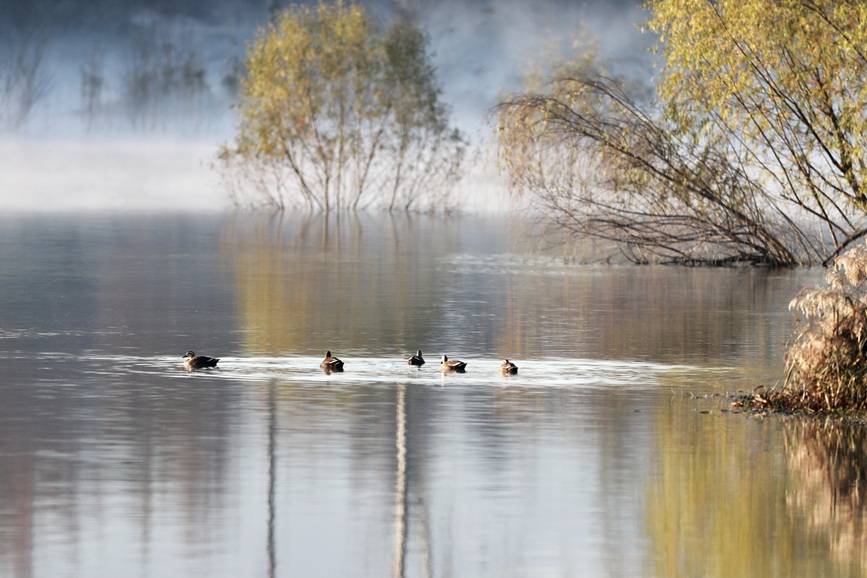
337, 114
753, 152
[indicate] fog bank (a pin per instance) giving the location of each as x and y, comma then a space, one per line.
112, 175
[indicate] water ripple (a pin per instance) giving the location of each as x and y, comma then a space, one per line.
551, 372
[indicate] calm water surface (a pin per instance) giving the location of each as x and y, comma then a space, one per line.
602, 457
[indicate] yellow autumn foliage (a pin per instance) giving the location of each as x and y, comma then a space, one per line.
752, 147
337, 113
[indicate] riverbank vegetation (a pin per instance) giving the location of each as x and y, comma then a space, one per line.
751, 149
337, 113
826, 364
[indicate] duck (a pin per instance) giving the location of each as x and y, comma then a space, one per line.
193, 361
508, 368
453, 365
331, 363
416, 359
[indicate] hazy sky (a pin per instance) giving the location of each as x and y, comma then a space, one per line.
480, 46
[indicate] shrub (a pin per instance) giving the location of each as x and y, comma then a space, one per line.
827, 363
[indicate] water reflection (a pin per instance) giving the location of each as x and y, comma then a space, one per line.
353, 282
272, 476
396, 284
589, 461
827, 461
94, 466
712, 501
400, 495
732, 495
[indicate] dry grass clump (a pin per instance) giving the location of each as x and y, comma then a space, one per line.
826, 366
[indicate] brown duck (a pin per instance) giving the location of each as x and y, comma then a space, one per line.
508, 368
452, 365
193, 361
330, 363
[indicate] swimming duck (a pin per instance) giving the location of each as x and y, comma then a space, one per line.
330, 363
508, 368
416, 359
193, 361
453, 365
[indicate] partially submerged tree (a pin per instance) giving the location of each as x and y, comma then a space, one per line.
337, 114
755, 151
591, 158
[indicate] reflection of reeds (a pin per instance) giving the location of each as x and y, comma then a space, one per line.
827, 363
729, 496
828, 460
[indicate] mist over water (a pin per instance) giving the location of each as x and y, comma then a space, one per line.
88, 137
107, 174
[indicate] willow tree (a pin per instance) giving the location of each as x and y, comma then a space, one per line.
754, 149
336, 113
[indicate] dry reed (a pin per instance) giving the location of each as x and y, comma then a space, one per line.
826, 365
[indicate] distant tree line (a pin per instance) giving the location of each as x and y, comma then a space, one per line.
24, 80
165, 81
157, 77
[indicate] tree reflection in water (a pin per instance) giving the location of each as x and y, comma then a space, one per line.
736, 495
827, 460
114, 455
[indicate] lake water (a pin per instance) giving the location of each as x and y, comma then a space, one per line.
610, 454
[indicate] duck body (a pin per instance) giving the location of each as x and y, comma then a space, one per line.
452, 365
508, 368
193, 361
416, 359
330, 363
